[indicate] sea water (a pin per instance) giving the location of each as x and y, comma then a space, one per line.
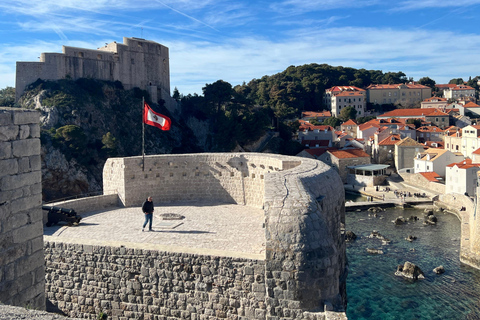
374, 292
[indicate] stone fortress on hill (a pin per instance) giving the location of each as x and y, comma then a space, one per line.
135, 63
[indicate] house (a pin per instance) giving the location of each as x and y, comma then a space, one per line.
404, 94
470, 108
461, 121
312, 144
341, 138
434, 102
435, 160
308, 131
405, 151
319, 116
438, 118
383, 151
465, 140
417, 113
429, 133
354, 99
461, 177
330, 93
350, 127
341, 159
457, 91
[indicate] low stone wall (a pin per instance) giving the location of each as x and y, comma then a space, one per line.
303, 273
21, 233
88, 204
419, 181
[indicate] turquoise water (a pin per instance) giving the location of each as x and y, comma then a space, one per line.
374, 292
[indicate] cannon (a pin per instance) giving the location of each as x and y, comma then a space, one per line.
57, 214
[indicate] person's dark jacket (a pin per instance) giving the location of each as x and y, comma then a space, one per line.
147, 206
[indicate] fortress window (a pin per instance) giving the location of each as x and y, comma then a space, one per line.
232, 174
80, 54
99, 56
253, 175
261, 176
171, 174
133, 61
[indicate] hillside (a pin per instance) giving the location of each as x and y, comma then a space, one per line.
86, 121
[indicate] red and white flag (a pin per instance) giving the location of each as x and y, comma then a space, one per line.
158, 120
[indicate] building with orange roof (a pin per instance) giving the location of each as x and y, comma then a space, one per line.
320, 116
434, 102
435, 160
458, 91
405, 151
344, 99
383, 151
430, 133
438, 118
341, 159
431, 176
350, 127
465, 140
308, 131
405, 94
330, 92
416, 113
470, 109
461, 177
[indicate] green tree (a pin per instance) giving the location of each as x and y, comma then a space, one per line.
176, 94
217, 95
347, 113
426, 81
109, 144
416, 122
332, 121
456, 81
7, 97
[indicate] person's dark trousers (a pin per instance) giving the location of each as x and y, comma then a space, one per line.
148, 218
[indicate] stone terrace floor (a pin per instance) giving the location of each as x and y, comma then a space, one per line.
209, 229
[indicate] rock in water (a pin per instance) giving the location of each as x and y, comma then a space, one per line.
350, 236
411, 238
374, 251
399, 221
410, 270
439, 270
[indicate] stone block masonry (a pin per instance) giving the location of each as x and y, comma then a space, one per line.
22, 269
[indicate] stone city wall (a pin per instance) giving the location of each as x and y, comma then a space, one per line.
303, 275
419, 181
469, 243
21, 234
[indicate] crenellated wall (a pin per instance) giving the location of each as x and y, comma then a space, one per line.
302, 275
21, 234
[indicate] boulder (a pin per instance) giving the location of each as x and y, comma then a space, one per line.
377, 235
350, 236
411, 238
439, 270
375, 209
431, 219
409, 270
428, 212
412, 218
399, 221
374, 251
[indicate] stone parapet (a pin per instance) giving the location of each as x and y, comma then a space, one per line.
21, 234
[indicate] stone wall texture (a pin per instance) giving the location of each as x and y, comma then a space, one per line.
21, 232
420, 181
303, 273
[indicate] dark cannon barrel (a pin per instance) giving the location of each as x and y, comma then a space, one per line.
57, 214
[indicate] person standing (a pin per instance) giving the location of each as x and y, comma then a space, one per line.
147, 208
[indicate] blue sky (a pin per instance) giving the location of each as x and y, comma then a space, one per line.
238, 41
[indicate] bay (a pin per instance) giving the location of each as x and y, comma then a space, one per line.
374, 292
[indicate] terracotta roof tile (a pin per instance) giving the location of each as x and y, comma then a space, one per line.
350, 122
390, 140
314, 114
417, 112
465, 164
471, 105
430, 176
408, 142
349, 153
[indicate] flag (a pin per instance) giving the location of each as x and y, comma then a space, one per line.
158, 120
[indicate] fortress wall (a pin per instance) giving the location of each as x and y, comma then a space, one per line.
227, 178
470, 226
143, 284
302, 277
21, 233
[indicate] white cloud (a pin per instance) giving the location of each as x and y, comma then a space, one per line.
417, 5
289, 7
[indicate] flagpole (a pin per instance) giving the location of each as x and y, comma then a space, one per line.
143, 134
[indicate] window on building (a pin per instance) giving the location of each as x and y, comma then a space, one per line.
133, 61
